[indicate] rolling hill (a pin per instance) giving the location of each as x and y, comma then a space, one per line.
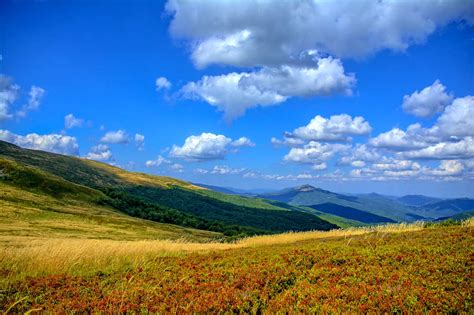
34, 203
160, 199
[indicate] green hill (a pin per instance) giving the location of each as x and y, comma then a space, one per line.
34, 203
155, 198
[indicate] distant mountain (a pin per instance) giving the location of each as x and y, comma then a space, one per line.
417, 200
385, 208
156, 198
446, 208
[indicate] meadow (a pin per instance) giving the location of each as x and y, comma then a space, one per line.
394, 268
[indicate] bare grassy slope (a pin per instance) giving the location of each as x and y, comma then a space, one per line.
35, 203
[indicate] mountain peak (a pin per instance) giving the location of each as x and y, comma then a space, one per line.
306, 188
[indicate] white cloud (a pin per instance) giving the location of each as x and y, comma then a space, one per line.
290, 142
140, 141
289, 177
267, 33
469, 164
461, 149
51, 142
446, 139
162, 83
201, 171
397, 139
315, 152
319, 167
336, 128
8, 95
431, 100
159, 161
225, 93
447, 168
36, 94
206, 146
391, 164
234, 93
358, 163
177, 167
224, 170
70, 121
393, 169
243, 142
100, 152
115, 137
458, 118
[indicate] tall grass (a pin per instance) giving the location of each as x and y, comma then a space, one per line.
26, 256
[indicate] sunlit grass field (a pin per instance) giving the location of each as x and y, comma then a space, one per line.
393, 268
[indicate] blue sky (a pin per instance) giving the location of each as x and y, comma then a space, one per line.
234, 75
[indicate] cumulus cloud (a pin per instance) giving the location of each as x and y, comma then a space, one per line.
397, 139
226, 93
431, 100
450, 137
115, 137
100, 152
157, 162
224, 170
336, 128
290, 142
461, 149
243, 142
458, 118
162, 83
268, 33
8, 95
319, 167
51, 142
315, 152
70, 121
392, 164
288, 177
234, 93
447, 168
206, 146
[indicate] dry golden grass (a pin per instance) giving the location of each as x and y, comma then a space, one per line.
29, 256
24, 213
142, 178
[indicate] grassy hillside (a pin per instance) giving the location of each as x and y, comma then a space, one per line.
157, 198
393, 269
29, 213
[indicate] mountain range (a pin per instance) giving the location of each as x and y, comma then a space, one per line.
36, 182
362, 209
37, 186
